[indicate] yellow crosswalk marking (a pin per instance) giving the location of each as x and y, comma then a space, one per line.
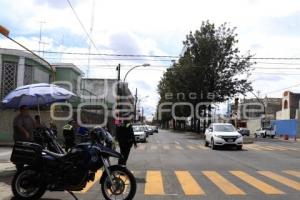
178, 147
262, 186
154, 183
166, 147
278, 148
191, 147
91, 183
202, 147
222, 183
253, 148
188, 183
293, 173
281, 179
141, 147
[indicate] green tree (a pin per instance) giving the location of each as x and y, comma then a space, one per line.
211, 67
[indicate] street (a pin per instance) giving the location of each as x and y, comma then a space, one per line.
178, 166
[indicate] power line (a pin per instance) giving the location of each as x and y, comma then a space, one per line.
84, 29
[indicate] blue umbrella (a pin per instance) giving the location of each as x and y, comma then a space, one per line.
36, 95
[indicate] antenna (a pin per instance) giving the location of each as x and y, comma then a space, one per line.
40, 41
91, 31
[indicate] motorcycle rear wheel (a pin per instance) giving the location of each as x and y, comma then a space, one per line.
26, 186
123, 187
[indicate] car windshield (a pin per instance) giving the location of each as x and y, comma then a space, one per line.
223, 128
138, 128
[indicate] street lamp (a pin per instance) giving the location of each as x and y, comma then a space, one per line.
5, 33
143, 65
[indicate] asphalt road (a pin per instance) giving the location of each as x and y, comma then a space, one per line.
178, 166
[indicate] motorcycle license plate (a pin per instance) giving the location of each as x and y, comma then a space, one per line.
230, 140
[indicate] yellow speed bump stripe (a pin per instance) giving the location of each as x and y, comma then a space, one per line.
222, 183
258, 184
281, 179
293, 173
188, 183
91, 183
154, 183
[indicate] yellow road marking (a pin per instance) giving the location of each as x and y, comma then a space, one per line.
266, 148
91, 183
281, 179
191, 147
293, 173
166, 147
178, 147
154, 183
202, 147
222, 183
253, 148
258, 184
279, 148
141, 147
188, 183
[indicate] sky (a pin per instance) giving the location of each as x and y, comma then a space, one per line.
265, 28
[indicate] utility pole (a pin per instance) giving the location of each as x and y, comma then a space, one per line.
135, 102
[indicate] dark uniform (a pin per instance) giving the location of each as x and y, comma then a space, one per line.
125, 137
69, 136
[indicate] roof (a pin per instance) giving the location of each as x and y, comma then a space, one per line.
68, 65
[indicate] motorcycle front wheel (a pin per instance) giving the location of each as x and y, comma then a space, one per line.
123, 186
27, 184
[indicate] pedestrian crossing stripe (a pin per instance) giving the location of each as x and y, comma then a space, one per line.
154, 182
292, 173
281, 179
258, 184
254, 147
223, 184
188, 183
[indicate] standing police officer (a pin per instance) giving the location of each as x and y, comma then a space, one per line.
125, 137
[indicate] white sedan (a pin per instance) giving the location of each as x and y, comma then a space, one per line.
221, 134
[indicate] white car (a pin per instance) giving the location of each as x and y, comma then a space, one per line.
139, 133
264, 132
221, 134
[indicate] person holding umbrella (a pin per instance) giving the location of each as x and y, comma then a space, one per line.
23, 126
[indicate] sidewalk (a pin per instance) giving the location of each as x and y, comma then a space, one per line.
6, 171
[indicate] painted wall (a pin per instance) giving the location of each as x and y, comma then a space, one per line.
286, 127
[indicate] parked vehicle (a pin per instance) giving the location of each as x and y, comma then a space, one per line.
149, 130
244, 131
265, 132
221, 134
139, 133
155, 129
46, 170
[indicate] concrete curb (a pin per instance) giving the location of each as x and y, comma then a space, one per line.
6, 144
7, 169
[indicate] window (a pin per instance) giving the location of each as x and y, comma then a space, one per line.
9, 77
285, 106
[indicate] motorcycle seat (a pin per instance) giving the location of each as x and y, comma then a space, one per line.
55, 155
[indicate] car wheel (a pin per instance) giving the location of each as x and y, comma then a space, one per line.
264, 135
239, 147
272, 136
255, 135
213, 146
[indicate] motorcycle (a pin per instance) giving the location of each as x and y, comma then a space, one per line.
46, 170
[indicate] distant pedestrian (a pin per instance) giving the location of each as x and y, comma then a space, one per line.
126, 139
23, 126
69, 135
